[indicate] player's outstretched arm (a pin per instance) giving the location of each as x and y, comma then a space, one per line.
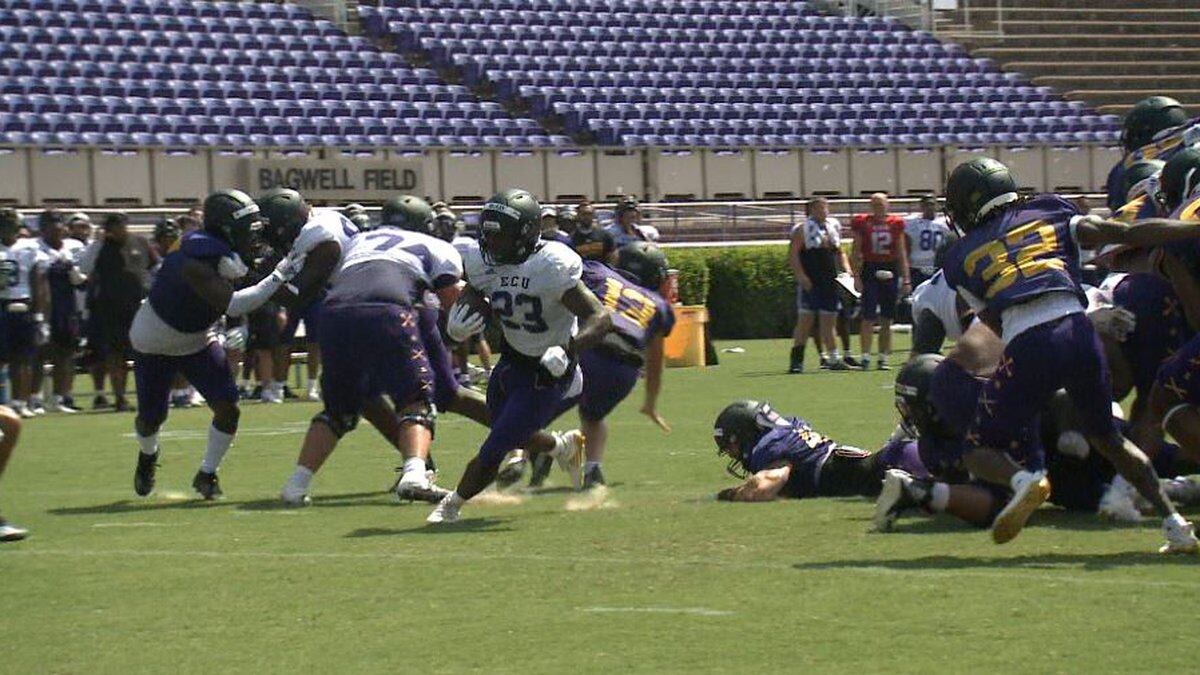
319, 265
654, 372
594, 321
763, 486
1093, 231
207, 283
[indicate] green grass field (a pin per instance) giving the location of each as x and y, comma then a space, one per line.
661, 580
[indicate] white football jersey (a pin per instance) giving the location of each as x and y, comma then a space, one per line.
17, 264
925, 236
527, 298
427, 262
324, 225
936, 296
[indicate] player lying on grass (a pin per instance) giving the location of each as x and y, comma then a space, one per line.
785, 457
641, 320
548, 318
1017, 265
10, 431
173, 331
936, 399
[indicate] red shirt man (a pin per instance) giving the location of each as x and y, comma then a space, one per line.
881, 256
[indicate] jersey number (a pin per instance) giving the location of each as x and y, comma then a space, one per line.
638, 308
1001, 271
505, 305
881, 242
10, 274
930, 239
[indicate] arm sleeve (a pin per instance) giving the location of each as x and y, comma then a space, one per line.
249, 299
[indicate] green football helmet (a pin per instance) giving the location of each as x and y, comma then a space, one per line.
1179, 178
1136, 175
510, 226
233, 217
645, 262
738, 429
407, 212
284, 214
1148, 117
976, 189
917, 414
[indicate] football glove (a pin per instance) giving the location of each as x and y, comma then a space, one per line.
235, 338
463, 322
231, 267
555, 361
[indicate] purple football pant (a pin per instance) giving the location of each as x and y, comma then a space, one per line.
522, 401
1180, 374
370, 350
1061, 354
207, 370
607, 380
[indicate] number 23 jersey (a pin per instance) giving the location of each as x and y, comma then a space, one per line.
527, 298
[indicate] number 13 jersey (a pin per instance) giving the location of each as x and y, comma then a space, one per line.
527, 298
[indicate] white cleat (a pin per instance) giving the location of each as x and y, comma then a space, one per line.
1118, 505
571, 455
445, 512
10, 532
37, 408
418, 488
891, 499
24, 411
294, 500
1180, 539
270, 397
314, 392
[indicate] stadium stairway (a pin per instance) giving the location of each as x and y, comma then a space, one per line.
1107, 53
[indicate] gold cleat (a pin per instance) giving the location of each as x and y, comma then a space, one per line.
1024, 502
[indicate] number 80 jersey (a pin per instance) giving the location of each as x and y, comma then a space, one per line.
527, 298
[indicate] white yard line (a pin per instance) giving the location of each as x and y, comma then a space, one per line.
1014, 575
698, 611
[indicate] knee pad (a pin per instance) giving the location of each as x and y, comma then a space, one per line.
426, 418
340, 425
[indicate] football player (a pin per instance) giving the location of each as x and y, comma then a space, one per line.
173, 331
925, 232
371, 339
357, 214
641, 320
57, 257
10, 431
781, 456
880, 254
1155, 128
26, 298
1017, 265
547, 316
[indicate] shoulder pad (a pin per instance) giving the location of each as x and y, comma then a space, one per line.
200, 244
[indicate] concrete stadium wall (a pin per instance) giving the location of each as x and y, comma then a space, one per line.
94, 177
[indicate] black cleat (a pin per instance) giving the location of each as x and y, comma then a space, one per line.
122, 405
882, 365
542, 463
100, 402
796, 369
838, 365
851, 361
143, 477
207, 485
593, 478
512, 470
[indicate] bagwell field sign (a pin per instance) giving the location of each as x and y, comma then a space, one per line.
335, 178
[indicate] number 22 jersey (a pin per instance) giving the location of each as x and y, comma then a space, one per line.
527, 298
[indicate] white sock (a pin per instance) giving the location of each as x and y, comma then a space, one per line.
415, 465
218, 445
149, 443
589, 465
835, 355
1019, 478
560, 446
454, 499
300, 480
939, 497
277, 387
1175, 521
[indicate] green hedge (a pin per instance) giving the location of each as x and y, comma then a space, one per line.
749, 290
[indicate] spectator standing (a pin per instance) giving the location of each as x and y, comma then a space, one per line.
625, 228
58, 256
816, 257
552, 219
881, 257
79, 227
925, 231
589, 241
118, 267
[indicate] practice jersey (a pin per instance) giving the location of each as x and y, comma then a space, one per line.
821, 243
1160, 326
925, 236
17, 263
1020, 254
394, 266
527, 297
174, 320
324, 225
878, 242
638, 313
934, 295
800, 446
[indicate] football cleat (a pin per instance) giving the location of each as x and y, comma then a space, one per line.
542, 463
36, 407
207, 485
10, 532
411, 488
851, 362
314, 392
512, 470
893, 500
294, 500
796, 369
23, 410
100, 402
445, 512
1180, 538
1117, 504
64, 404
839, 364
570, 457
882, 365
1031, 494
122, 405
143, 477
593, 478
